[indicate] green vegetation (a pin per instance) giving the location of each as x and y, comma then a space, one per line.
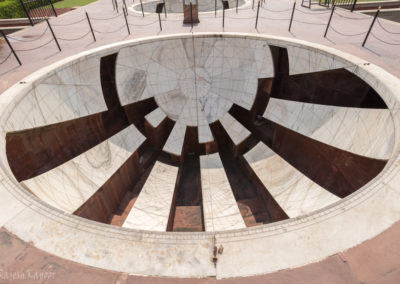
11, 9
371, 1
72, 3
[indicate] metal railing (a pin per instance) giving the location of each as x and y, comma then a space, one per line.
345, 4
38, 10
93, 27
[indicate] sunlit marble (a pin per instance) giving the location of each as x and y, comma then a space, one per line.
174, 144
69, 92
221, 211
155, 117
307, 60
237, 132
295, 193
152, 208
203, 128
366, 132
201, 76
69, 185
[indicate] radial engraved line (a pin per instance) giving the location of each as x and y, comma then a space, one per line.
195, 81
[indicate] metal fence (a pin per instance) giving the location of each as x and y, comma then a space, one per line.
38, 10
260, 14
345, 4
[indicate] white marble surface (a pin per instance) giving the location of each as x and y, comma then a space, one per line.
69, 185
235, 129
9, 204
295, 193
203, 128
221, 211
366, 132
201, 76
307, 60
174, 144
155, 117
69, 92
152, 208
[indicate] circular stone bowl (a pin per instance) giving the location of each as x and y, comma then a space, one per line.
176, 6
248, 251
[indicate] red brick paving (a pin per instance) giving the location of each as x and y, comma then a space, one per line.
374, 261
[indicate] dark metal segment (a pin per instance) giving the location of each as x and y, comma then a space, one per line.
126, 22
330, 19
12, 49
90, 26
258, 10
54, 36
291, 17
372, 24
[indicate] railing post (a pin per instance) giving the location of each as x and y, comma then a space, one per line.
54, 10
126, 21
165, 8
126, 8
12, 49
26, 12
223, 17
258, 10
354, 5
329, 22
291, 18
90, 26
54, 36
116, 6
191, 14
215, 7
237, 6
372, 24
141, 5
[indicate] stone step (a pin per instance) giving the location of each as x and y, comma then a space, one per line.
188, 219
253, 211
125, 207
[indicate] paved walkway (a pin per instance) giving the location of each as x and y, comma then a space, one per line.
375, 261
73, 32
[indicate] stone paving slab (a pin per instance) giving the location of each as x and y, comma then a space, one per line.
308, 25
375, 261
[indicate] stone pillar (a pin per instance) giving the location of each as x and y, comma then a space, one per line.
186, 11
